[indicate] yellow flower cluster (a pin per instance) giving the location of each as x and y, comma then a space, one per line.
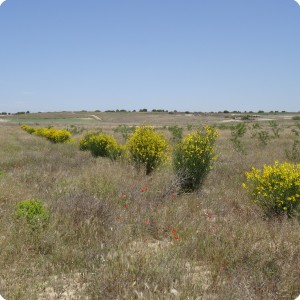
276, 188
52, 134
28, 129
100, 144
193, 157
147, 147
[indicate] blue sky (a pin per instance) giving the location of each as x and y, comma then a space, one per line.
196, 55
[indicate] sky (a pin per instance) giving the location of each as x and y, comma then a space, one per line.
185, 55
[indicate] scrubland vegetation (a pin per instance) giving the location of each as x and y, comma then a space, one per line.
78, 225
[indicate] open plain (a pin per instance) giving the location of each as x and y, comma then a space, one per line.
116, 233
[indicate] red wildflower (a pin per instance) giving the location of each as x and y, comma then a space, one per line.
209, 215
144, 188
173, 230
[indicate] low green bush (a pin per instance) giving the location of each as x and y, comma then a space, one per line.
125, 130
264, 137
33, 212
237, 132
275, 128
294, 153
177, 133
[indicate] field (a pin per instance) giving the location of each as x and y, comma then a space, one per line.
116, 233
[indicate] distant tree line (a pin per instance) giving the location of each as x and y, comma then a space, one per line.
17, 113
144, 110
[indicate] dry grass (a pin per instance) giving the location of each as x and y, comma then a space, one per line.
115, 233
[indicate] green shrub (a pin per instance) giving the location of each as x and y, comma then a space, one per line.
189, 127
275, 128
237, 132
125, 130
100, 144
33, 212
177, 133
255, 126
193, 157
276, 188
147, 148
264, 137
294, 154
295, 132
75, 130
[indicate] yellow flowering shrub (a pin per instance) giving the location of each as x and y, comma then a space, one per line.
43, 132
52, 134
275, 188
84, 142
100, 144
147, 148
28, 129
193, 157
